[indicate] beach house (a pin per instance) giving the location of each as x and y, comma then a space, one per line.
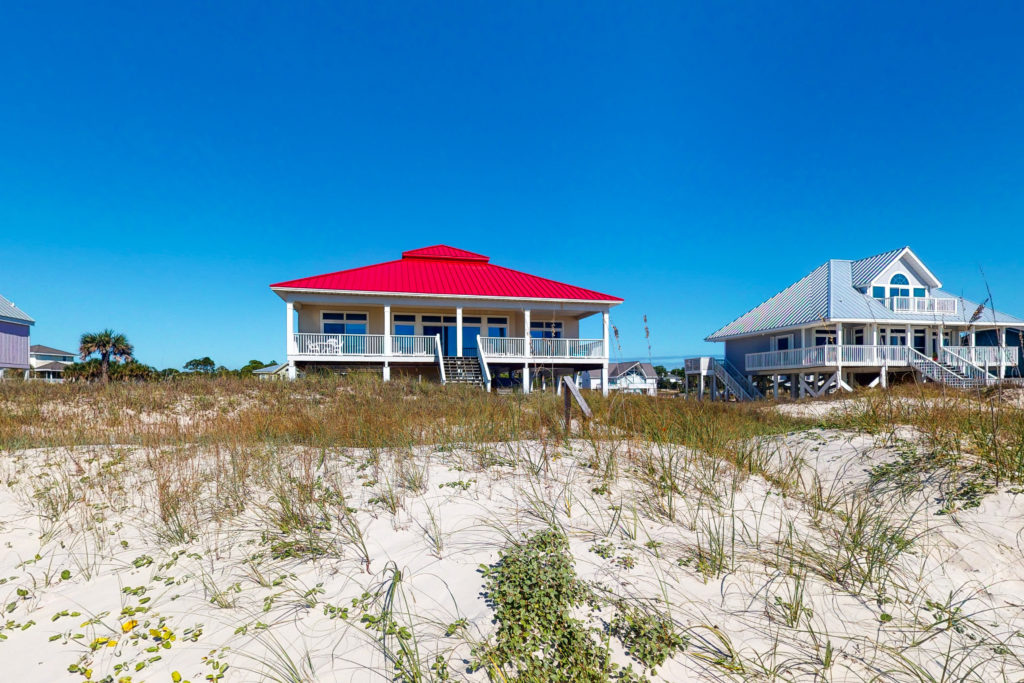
48, 363
866, 321
446, 314
630, 377
14, 339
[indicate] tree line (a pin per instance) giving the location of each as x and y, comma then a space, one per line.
107, 356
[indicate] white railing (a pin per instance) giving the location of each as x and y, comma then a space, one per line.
828, 356
412, 345
915, 304
516, 347
505, 347
964, 366
697, 365
567, 348
440, 357
312, 344
485, 371
987, 355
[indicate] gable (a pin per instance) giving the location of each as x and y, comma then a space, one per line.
902, 266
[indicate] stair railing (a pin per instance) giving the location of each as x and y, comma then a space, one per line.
938, 373
752, 392
440, 356
966, 367
484, 370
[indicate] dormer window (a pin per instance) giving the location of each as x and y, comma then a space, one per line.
878, 292
920, 292
900, 285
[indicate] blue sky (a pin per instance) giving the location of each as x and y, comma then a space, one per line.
161, 164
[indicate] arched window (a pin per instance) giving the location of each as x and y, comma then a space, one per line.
899, 279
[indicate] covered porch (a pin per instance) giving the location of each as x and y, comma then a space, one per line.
330, 332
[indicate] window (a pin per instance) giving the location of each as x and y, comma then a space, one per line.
546, 330
920, 339
858, 337
405, 324
919, 292
824, 337
343, 323
899, 291
878, 292
783, 342
899, 279
497, 327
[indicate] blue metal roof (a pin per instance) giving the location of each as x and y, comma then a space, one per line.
10, 312
867, 269
829, 293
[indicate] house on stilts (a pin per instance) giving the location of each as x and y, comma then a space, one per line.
445, 314
864, 322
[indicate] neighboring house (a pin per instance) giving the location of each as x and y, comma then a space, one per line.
446, 313
851, 322
631, 377
279, 371
14, 338
48, 363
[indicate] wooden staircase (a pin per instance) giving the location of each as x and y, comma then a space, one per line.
463, 370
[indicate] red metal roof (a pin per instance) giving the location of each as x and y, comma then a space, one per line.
445, 270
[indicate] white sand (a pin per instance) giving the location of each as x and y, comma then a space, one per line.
264, 616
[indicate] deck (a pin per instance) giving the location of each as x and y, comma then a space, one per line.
866, 356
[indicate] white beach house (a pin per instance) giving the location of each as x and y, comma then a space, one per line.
48, 363
862, 322
444, 313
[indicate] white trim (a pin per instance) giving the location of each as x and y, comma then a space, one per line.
467, 297
774, 343
924, 269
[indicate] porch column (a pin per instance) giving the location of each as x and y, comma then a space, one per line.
910, 336
526, 333
604, 335
387, 340
1001, 337
700, 390
839, 349
874, 334
290, 346
974, 337
458, 331
386, 373
526, 378
604, 376
775, 387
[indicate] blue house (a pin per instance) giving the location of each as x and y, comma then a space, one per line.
14, 338
862, 322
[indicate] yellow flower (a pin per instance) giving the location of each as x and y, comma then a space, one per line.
129, 625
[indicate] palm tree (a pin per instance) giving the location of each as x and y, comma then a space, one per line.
105, 344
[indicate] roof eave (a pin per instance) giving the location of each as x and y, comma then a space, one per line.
427, 295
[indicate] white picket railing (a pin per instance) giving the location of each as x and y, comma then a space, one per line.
914, 304
828, 356
503, 347
313, 344
412, 345
987, 355
516, 347
567, 348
